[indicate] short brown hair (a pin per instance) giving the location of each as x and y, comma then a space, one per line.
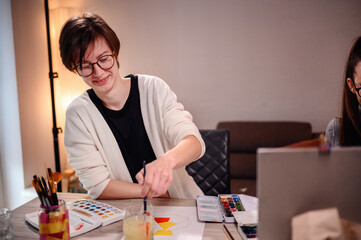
78, 32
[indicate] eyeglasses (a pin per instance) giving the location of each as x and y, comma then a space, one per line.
356, 88
86, 69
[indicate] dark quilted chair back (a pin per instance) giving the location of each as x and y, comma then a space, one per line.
211, 172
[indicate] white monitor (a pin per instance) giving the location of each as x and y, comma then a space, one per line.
293, 181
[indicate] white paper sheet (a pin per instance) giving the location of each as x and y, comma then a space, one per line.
182, 224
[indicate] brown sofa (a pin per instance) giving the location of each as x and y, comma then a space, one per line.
247, 136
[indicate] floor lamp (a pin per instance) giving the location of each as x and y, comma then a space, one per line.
53, 75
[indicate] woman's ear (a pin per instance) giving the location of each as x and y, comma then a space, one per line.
350, 85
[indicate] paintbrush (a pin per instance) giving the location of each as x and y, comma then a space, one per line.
227, 232
41, 191
38, 192
47, 191
57, 178
52, 186
145, 198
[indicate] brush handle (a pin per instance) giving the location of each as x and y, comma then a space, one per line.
38, 192
145, 198
42, 191
54, 197
47, 190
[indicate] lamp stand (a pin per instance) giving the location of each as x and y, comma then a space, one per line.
53, 75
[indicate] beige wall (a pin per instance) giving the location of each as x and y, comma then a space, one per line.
239, 59
33, 87
226, 60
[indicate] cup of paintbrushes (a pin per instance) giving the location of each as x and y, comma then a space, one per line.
54, 221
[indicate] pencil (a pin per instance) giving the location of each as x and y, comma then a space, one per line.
228, 234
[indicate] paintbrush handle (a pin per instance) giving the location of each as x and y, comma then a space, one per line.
38, 192
145, 205
46, 192
145, 198
54, 197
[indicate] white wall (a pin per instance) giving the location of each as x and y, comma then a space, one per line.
226, 60
240, 59
11, 164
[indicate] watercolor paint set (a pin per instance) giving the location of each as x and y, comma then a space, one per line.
96, 211
218, 208
247, 222
85, 215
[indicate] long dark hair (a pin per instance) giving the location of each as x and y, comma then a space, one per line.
350, 129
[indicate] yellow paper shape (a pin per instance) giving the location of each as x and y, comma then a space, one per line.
163, 233
166, 225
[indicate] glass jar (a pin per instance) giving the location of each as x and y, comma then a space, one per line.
54, 221
138, 227
6, 224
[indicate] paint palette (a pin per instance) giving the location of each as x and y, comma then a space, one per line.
96, 211
247, 222
85, 215
230, 203
218, 208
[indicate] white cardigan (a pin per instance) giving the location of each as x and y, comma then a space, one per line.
93, 150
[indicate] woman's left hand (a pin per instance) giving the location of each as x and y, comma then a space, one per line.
158, 178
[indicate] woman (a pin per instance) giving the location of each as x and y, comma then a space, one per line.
346, 131
120, 122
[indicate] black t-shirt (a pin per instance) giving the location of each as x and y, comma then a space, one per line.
128, 129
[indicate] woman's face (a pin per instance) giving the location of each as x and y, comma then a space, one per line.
357, 78
102, 81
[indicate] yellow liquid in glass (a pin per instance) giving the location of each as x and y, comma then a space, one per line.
138, 228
